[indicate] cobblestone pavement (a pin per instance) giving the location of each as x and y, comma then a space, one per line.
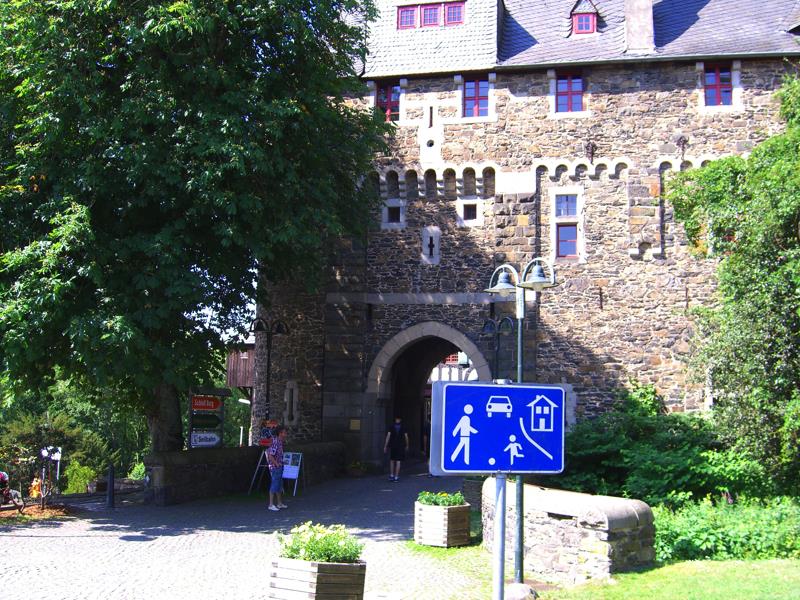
217, 548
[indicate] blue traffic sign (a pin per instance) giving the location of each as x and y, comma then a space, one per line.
489, 428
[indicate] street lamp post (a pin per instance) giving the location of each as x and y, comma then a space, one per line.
496, 326
268, 328
532, 278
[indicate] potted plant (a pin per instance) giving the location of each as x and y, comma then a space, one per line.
441, 519
318, 561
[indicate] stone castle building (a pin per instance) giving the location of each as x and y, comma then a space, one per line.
524, 129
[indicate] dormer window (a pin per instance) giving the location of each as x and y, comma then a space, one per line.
454, 13
430, 15
406, 17
584, 22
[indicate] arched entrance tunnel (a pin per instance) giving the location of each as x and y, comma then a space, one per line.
399, 376
410, 374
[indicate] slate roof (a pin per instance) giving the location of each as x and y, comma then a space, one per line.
468, 47
538, 33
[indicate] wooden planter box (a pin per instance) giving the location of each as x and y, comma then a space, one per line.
441, 525
292, 579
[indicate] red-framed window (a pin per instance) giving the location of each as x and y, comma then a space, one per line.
387, 100
569, 92
476, 98
411, 16
718, 84
454, 13
584, 23
429, 15
566, 240
406, 17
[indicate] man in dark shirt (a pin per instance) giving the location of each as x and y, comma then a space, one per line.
396, 445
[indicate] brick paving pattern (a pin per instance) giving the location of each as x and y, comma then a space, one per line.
218, 548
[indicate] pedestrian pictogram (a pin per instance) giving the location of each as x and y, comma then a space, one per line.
489, 428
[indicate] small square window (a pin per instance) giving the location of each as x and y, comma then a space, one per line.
566, 205
406, 17
453, 13
470, 212
584, 23
538, 409
430, 15
567, 241
392, 214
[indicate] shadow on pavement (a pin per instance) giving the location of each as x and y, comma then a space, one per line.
374, 507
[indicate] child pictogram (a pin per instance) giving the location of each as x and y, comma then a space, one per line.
513, 448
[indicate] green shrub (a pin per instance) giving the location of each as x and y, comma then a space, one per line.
321, 543
749, 529
638, 451
78, 477
441, 499
138, 471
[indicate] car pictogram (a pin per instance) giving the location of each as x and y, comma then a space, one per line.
498, 404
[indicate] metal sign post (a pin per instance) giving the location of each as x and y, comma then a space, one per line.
494, 429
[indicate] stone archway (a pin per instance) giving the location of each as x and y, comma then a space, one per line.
378, 380
416, 344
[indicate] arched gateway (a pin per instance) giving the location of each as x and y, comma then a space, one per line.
398, 377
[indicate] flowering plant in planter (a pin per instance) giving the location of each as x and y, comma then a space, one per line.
441, 499
318, 561
441, 519
321, 543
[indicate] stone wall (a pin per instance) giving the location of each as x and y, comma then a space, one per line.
622, 309
571, 538
177, 477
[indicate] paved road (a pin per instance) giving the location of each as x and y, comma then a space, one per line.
217, 548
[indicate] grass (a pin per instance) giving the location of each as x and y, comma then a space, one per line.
688, 580
697, 580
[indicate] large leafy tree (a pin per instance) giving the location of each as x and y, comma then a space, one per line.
745, 213
155, 156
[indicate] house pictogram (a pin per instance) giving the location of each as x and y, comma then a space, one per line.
542, 413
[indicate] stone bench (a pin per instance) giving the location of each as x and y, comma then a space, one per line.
570, 537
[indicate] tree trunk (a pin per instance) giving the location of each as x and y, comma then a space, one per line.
164, 420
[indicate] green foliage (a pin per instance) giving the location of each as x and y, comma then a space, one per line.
78, 477
637, 452
138, 471
21, 441
744, 530
148, 179
747, 214
321, 543
441, 499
